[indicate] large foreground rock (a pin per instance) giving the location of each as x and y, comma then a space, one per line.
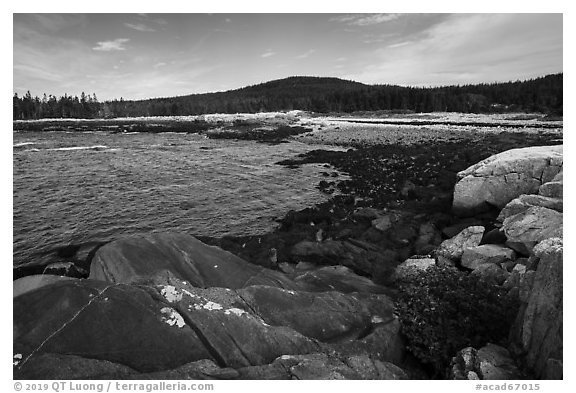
103, 321
498, 179
537, 332
158, 327
143, 257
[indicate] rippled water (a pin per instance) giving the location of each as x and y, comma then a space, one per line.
72, 188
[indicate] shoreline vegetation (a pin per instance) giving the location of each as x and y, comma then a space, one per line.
395, 206
316, 94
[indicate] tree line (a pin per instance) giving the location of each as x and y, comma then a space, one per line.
315, 94
83, 107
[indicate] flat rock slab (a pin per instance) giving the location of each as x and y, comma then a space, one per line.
143, 257
498, 179
158, 327
94, 319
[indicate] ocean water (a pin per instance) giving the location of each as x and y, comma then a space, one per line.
72, 188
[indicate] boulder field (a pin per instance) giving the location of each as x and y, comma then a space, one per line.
319, 304
528, 262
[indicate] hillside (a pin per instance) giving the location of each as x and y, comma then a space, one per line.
319, 94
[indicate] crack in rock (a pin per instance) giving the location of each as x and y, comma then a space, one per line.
100, 293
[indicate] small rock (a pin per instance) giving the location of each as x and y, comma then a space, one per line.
491, 273
473, 257
383, 223
413, 266
454, 248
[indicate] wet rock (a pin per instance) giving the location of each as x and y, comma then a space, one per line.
137, 258
490, 362
368, 213
385, 222
452, 249
359, 256
526, 229
68, 269
498, 179
474, 257
537, 332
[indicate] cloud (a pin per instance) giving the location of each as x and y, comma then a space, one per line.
139, 27
267, 54
470, 48
306, 54
365, 19
107, 46
399, 44
161, 64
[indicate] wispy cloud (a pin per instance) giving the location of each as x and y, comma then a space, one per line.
306, 54
400, 44
267, 54
114, 45
161, 64
365, 19
139, 27
469, 48
38, 72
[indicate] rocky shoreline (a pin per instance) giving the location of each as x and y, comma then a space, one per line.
318, 297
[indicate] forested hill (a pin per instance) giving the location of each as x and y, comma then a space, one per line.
318, 95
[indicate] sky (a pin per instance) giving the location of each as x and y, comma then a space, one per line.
138, 56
